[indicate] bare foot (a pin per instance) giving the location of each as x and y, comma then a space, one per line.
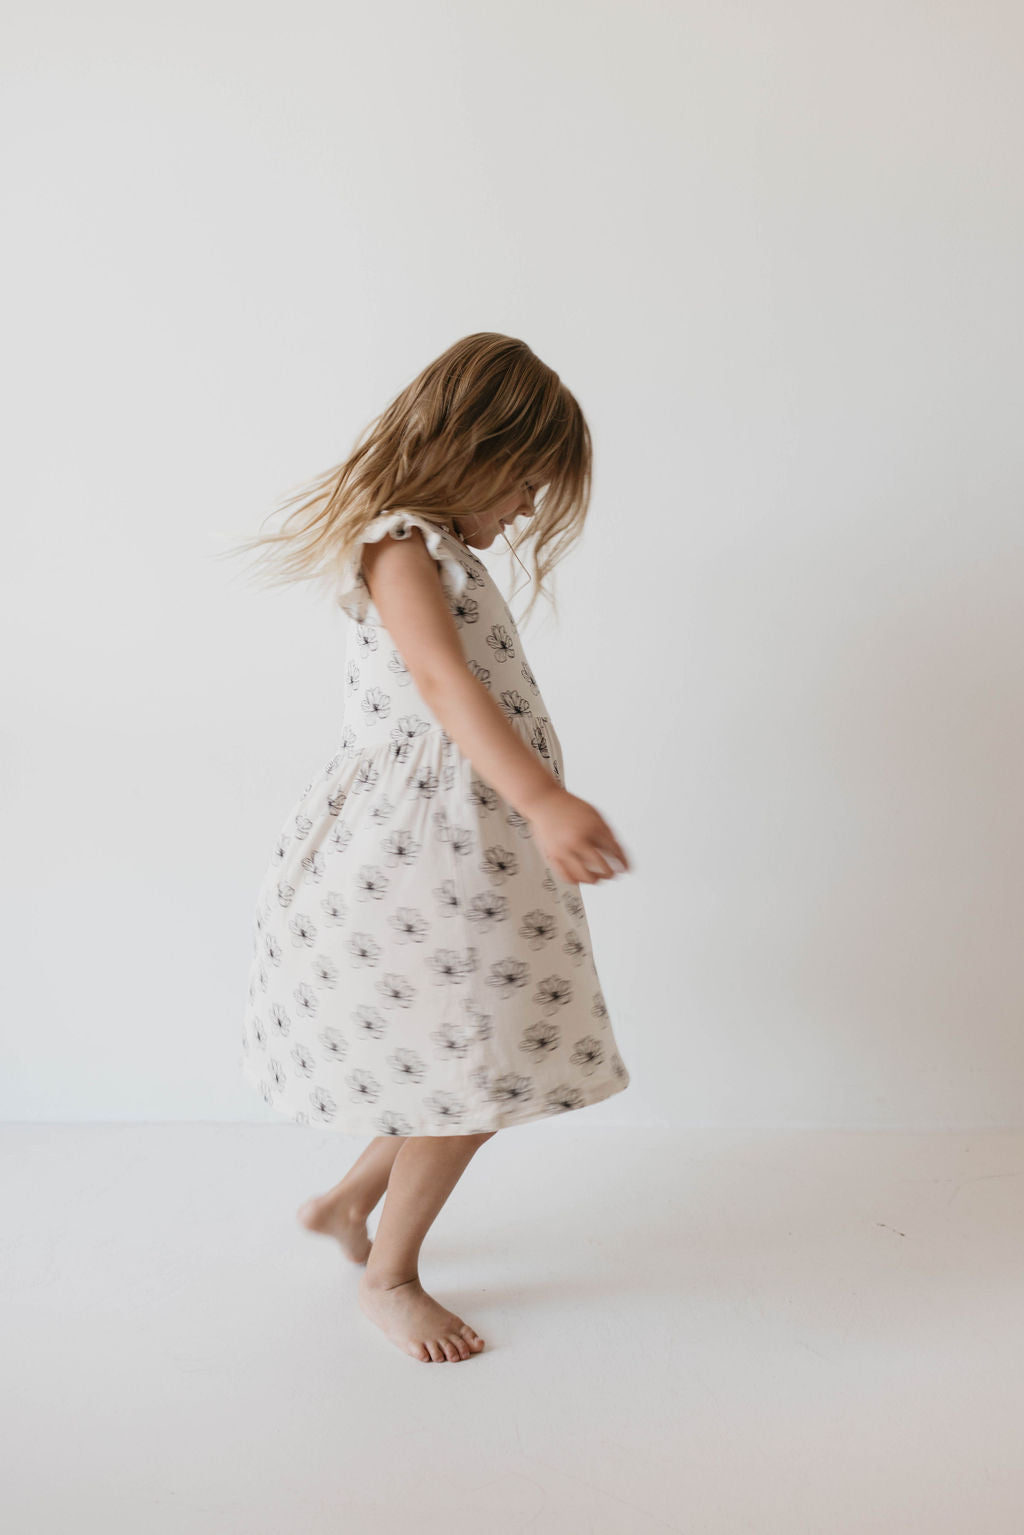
417, 1323
321, 1213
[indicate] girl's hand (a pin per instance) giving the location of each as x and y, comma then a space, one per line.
575, 838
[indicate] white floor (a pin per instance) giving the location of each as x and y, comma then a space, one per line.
786, 1334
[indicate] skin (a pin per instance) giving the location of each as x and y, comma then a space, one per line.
479, 532
419, 1172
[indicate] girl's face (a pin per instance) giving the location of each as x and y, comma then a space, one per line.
481, 529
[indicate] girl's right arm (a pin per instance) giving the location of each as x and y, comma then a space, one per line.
404, 583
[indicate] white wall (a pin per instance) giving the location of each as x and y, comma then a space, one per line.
775, 249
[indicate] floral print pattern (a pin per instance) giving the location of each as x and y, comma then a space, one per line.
417, 968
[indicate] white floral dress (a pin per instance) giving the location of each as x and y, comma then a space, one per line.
417, 967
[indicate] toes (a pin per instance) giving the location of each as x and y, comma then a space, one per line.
473, 1339
451, 1353
460, 1344
436, 1351
419, 1351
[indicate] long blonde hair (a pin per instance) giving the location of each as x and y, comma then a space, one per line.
480, 419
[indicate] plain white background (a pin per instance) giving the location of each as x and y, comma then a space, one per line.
775, 250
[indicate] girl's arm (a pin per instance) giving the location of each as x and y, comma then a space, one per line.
405, 586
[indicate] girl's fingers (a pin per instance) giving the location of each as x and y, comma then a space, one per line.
598, 864
582, 862
612, 848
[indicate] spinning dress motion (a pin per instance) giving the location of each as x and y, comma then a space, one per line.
417, 967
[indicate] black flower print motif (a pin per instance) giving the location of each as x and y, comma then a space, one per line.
280, 1023
367, 776
508, 974
392, 1123
588, 1053
423, 782
538, 928
539, 740
334, 907
322, 1107
416, 968
451, 1039
303, 1059
574, 947
482, 796
479, 1024
371, 882
514, 704
450, 967
314, 864
487, 909
363, 1086
336, 801
553, 992
540, 1038
307, 1004
445, 1108
376, 704
340, 838
382, 810
401, 847
398, 669
406, 1065
365, 639
458, 838
303, 825
465, 610
335, 1044
409, 925
500, 863
303, 930
447, 898
500, 642
324, 971
369, 1023
396, 991
363, 949
509, 1088
564, 1097
519, 823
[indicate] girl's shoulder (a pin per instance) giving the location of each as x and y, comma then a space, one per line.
450, 553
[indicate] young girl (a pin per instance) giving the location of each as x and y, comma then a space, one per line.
422, 968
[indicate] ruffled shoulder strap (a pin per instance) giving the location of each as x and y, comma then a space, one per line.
353, 594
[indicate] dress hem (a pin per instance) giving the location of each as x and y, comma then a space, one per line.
606, 1087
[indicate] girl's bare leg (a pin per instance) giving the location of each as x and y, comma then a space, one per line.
343, 1211
426, 1169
